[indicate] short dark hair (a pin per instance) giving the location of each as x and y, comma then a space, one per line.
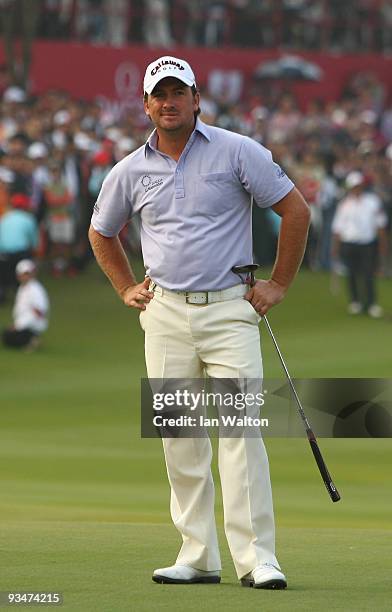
194, 91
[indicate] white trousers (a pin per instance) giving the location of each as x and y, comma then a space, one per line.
221, 340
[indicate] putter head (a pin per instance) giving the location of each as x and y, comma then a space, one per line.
249, 270
245, 269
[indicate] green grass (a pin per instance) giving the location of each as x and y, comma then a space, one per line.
84, 501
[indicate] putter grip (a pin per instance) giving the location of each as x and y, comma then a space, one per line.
332, 490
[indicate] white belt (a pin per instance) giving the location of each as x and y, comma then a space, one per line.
202, 297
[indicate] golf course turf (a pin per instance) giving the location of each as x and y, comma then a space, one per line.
84, 500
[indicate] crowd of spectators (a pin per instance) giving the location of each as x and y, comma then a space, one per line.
55, 152
349, 25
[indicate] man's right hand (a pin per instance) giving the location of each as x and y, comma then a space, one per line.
137, 296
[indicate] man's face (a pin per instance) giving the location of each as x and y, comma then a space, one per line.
16, 147
357, 191
171, 105
25, 277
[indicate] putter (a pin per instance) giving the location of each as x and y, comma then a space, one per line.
249, 270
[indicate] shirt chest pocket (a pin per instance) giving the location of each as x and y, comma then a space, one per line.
214, 193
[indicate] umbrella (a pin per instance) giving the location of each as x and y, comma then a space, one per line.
289, 67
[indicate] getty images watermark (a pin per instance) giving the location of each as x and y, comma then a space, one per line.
197, 402
196, 407
228, 407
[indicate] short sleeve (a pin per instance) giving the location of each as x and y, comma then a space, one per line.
39, 298
113, 207
260, 175
381, 217
33, 232
337, 222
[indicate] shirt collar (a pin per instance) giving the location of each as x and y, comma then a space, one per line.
203, 129
200, 127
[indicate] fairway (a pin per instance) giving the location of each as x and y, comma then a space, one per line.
84, 501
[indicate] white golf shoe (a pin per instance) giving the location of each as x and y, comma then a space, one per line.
375, 311
265, 576
354, 308
184, 574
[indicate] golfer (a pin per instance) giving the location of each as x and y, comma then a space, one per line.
192, 186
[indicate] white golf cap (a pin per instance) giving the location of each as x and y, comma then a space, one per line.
62, 117
6, 175
24, 266
14, 94
164, 67
113, 133
83, 142
369, 117
37, 150
126, 145
354, 179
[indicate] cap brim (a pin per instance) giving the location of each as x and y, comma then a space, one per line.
150, 88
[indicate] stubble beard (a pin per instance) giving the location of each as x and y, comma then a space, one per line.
177, 127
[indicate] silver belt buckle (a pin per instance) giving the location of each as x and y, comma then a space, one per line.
196, 302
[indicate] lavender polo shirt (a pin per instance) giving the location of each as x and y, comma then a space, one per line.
195, 213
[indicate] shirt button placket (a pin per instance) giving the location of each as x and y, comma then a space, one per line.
179, 183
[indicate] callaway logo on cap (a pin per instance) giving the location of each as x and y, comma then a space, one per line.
165, 67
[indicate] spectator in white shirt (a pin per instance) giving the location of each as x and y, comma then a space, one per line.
359, 232
31, 309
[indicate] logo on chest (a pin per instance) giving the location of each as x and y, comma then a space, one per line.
150, 183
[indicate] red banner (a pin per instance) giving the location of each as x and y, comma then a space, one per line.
115, 75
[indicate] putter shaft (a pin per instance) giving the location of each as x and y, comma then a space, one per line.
332, 490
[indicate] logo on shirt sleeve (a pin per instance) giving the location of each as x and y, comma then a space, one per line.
96, 209
279, 172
